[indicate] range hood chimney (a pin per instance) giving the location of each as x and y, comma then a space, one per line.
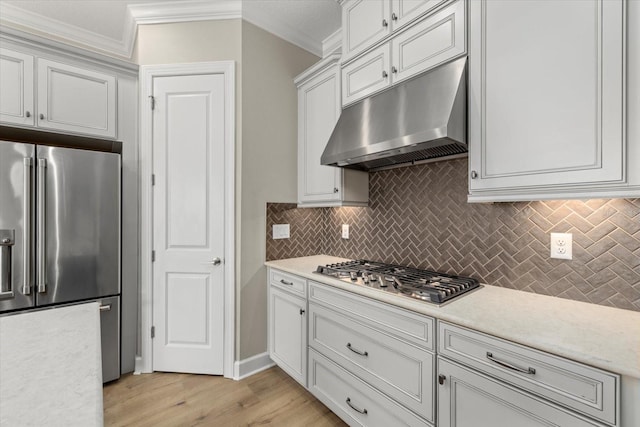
420, 119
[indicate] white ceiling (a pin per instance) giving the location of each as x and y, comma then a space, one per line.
109, 25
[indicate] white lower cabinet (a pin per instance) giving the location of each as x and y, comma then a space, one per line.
288, 333
352, 399
375, 364
381, 354
470, 399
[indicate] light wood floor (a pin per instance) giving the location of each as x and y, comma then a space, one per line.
270, 397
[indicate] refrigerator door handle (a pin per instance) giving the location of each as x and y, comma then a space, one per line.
6, 241
40, 229
26, 244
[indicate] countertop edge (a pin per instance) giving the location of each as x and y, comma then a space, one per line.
565, 343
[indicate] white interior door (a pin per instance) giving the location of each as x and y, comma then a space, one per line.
188, 223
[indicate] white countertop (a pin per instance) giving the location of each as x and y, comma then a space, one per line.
603, 337
50, 367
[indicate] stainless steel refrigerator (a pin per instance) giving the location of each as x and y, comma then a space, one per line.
60, 233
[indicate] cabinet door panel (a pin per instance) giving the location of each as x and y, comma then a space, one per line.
546, 93
16, 87
366, 75
362, 23
470, 399
288, 333
407, 10
76, 100
319, 110
433, 41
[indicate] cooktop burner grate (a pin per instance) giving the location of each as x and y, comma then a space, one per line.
425, 285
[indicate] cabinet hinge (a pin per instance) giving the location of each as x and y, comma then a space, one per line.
153, 332
153, 102
153, 256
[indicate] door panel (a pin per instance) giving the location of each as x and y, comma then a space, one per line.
16, 224
77, 100
81, 210
188, 228
16, 87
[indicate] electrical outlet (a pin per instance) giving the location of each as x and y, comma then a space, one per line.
280, 231
562, 245
345, 231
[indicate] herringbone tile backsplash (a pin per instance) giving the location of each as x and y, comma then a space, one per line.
419, 216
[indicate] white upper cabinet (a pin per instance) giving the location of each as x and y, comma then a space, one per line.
318, 112
76, 100
53, 95
428, 42
366, 22
16, 87
547, 99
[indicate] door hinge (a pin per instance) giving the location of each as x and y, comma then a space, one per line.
153, 179
153, 332
153, 256
153, 102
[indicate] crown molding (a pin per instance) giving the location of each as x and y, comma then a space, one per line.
281, 28
164, 12
185, 11
332, 44
41, 25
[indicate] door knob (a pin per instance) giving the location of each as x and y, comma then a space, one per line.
216, 261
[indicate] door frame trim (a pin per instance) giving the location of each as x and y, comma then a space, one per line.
144, 358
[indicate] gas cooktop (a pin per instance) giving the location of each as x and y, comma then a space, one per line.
425, 285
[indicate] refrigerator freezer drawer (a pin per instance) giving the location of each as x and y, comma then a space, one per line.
110, 333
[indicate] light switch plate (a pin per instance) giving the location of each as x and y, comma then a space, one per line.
562, 245
280, 231
345, 231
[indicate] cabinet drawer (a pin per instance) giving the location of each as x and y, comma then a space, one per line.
585, 389
470, 399
404, 324
288, 282
398, 369
353, 400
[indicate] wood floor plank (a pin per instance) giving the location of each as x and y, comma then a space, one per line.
268, 398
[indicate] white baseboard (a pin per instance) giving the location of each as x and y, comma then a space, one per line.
254, 364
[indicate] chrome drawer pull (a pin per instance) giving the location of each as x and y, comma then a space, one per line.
361, 353
362, 411
508, 365
284, 282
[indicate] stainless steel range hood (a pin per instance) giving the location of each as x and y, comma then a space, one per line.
422, 118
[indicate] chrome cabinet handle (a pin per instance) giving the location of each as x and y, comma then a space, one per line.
215, 261
474, 174
529, 371
41, 116
302, 311
284, 282
384, 74
385, 24
361, 353
27, 114
335, 189
394, 70
362, 411
7, 239
40, 226
441, 379
394, 17
26, 216
106, 307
